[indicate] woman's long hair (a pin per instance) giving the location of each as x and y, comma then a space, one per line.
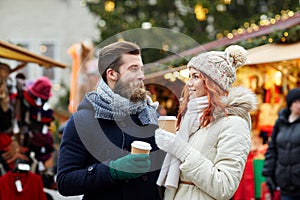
214, 94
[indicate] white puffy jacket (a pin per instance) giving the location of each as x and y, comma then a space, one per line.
216, 164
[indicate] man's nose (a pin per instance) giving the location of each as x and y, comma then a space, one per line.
141, 75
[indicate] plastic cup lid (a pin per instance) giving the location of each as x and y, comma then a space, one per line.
167, 118
141, 145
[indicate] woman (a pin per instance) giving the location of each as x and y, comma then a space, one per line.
207, 156
282, 160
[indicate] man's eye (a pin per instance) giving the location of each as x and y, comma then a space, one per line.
134, 69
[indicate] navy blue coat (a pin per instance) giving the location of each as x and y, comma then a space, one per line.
88, 145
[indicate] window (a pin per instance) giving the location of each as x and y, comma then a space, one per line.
48, 49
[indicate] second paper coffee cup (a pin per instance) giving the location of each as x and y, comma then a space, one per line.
140, 147
167, 123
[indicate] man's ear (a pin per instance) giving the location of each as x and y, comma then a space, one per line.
111, 74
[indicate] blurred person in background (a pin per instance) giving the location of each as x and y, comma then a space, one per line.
282, 159
9, 147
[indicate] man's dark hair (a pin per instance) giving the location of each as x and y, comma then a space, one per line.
110, 56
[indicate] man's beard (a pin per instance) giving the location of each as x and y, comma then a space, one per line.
134, 91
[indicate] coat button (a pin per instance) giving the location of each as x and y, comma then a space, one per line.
90, 168
126, 149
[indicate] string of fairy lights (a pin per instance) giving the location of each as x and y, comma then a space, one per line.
249, 27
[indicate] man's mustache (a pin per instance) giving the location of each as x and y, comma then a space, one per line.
136, 84
139, 94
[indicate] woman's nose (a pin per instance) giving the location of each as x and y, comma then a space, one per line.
189, 83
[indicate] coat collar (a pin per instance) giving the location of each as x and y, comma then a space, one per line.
239, 101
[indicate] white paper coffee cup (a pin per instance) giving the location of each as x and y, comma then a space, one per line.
140, 147
167, 123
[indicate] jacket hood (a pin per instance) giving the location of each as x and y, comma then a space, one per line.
240, 101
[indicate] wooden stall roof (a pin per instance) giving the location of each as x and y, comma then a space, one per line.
10, 51
273, 53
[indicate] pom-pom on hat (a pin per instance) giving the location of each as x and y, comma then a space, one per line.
220, 66
41, 88
293, 95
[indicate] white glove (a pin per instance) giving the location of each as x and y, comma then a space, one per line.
172, 144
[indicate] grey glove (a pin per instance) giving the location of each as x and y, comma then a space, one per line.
172, 144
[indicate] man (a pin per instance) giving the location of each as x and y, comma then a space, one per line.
94, 158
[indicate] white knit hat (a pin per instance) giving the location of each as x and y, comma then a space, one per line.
220, 66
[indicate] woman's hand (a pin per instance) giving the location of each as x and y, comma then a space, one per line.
172, 144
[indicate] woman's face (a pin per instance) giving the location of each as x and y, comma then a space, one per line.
295, 107
195, 84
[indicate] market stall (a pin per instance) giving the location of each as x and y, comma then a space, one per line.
272, 70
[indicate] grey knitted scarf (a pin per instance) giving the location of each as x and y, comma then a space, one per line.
111, 106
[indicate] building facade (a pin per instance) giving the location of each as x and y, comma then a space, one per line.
49, 28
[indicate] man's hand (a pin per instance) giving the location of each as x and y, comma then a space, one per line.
130, 166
